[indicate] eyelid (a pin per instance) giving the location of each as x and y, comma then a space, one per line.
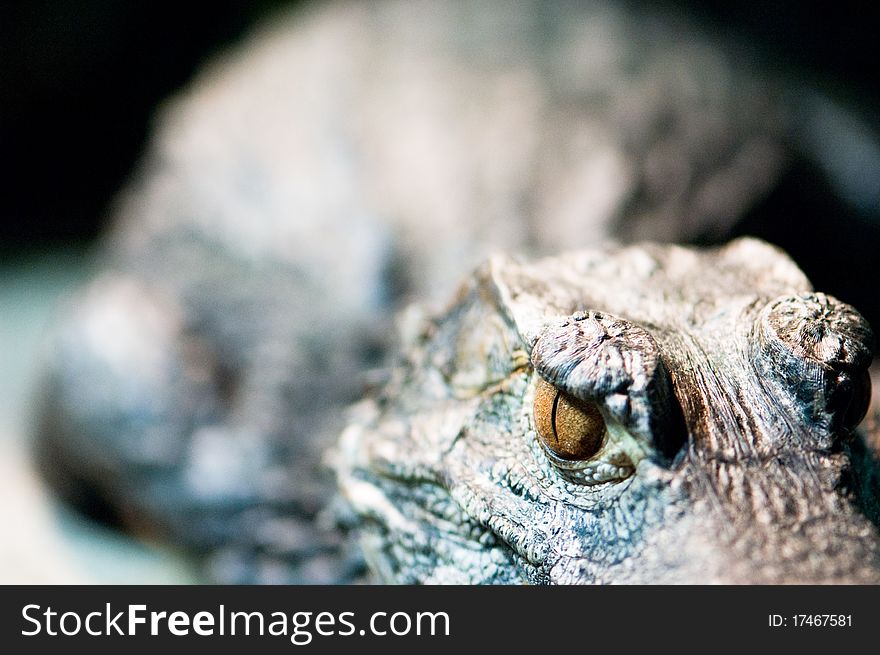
616, 364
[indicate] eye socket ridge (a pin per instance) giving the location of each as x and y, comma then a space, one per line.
597, 356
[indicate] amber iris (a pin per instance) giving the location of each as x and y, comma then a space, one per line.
570, 428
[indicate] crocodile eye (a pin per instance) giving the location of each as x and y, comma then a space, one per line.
568, 427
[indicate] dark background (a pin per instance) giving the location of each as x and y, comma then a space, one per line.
79, 81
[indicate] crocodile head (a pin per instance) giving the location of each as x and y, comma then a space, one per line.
627, 414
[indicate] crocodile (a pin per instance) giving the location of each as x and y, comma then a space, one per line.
324, 186
640, 414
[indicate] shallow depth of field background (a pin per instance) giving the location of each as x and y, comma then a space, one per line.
79, 81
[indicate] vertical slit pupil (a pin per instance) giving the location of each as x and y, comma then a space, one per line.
553, 417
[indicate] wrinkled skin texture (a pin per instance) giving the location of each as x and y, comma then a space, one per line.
344, 162
736, 387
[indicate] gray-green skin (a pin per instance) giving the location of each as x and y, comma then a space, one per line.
730, 391
352, 158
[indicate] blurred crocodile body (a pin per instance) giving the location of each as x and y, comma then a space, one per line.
358, 156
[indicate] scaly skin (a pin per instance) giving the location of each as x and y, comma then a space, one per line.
730, 390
